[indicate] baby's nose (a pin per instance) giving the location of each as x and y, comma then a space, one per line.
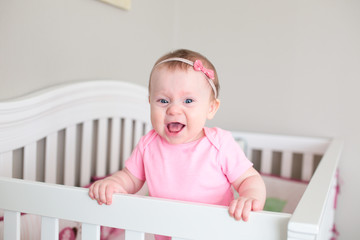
174, 108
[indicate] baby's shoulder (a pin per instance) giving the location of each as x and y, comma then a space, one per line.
147, 139
218, 137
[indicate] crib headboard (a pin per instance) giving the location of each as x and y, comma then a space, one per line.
68, 133
80, 146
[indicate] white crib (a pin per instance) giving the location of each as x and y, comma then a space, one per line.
53, 141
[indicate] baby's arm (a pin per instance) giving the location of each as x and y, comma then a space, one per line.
120, 182
252, 195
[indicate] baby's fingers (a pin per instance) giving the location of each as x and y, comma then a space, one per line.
232, 207
108, 194
94, 192
246, 210
102, 193
235, 209
91, 192
241, 208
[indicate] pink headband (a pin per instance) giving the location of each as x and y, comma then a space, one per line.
198, 66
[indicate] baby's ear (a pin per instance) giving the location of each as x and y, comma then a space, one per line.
213, 107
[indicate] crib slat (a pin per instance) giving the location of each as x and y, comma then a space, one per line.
49, 228
133, 235
101, 147
138, 131
86, 150
30, 161
6, 167
266, 161
115, 145
11, 225
50, 158
70, 156
307, 167
286, 164
127, 140
90, 232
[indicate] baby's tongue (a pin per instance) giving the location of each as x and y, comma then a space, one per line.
175, 127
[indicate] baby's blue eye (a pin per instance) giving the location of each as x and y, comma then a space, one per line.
188, 100
163, 101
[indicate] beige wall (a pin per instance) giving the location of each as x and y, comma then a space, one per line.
47, 42
290, 67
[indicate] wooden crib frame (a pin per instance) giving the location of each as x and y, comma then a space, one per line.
53, 141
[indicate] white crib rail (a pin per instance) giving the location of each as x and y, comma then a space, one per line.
309, 216
136, 214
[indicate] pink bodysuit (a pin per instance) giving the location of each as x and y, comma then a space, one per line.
201, 171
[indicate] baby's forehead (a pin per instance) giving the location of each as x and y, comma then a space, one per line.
163, 73
171, 67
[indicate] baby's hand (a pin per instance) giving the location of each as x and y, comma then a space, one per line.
103, 190
240, 208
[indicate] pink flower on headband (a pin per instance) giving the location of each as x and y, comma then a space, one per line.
198, 66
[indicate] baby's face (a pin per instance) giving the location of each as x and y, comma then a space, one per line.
180, 101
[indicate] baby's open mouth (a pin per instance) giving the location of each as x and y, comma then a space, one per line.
175, 127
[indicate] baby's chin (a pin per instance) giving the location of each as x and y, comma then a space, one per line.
182, 139
174, 140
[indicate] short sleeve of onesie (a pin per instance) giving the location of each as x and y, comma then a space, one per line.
135, 163
232, 159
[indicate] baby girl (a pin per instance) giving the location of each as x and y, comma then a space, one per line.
181, 158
